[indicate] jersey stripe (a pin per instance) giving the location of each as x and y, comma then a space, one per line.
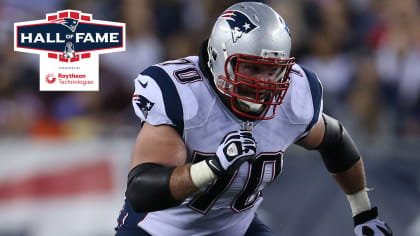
173, 105
316, 91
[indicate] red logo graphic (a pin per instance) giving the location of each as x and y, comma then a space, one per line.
50, 78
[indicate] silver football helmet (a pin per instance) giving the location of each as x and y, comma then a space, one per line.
251, 34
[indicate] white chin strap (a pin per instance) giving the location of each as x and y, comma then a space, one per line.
250, 106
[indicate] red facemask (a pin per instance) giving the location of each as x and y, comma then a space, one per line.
259, 92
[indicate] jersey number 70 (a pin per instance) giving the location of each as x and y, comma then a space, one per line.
266, 167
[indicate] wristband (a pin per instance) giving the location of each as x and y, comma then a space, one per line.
359, 202
201, 174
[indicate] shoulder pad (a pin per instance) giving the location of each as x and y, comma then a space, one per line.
303, 103
156, 99
316, 92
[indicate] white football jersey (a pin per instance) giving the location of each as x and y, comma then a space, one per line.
176, 93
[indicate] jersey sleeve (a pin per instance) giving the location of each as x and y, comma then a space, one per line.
315, 87
304, 104
156, 99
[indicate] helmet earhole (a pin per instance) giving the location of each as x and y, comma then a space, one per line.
214, 55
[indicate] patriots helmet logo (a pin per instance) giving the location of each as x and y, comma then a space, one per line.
143, 103
239, 24
70, 23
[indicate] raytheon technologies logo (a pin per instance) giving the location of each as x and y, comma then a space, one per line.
69, 43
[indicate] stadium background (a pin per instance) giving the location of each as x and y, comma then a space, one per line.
64, 156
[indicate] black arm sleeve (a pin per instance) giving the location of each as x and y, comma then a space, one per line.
337, 149
148, 188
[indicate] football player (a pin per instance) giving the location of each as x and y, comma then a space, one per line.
215, 127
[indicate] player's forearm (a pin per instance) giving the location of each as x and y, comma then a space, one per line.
353, 183
189, 178
343, 161
153, 187
352, 180
148, 187
181, 185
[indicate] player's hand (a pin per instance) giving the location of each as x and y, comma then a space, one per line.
368, 224
236, 148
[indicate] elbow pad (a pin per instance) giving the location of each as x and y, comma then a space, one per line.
337, 148
148, 188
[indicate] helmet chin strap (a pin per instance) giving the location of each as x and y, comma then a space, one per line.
250, 107
247, 106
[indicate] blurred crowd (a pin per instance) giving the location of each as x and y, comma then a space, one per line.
365, 52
